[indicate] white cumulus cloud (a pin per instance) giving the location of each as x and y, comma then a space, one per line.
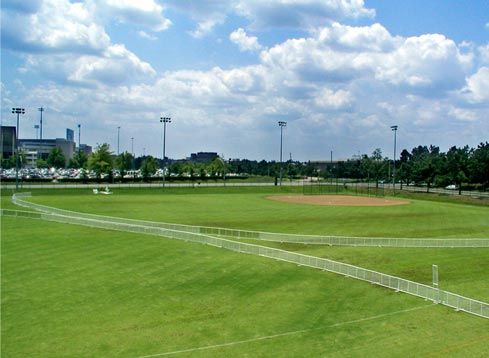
328, 99
293, 14
244, 41
300, 14
147, 36
427, 61
67, 43
58, 26
477, 89
206, 13
148, 13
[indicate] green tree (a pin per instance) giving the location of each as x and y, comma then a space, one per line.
292, 169
405, 168
41, 163
202, 169
79, 160
189, 169
101, 160
56, 159
427, 164
457, 165
375, 166
263, 168
219, 167
9, 162
124, 162
175, 168
308, 169
406, 173
479, 165
148, 167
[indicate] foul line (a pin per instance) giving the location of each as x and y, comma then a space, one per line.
284, 334
457, 347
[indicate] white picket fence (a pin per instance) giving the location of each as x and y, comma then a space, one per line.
398, 284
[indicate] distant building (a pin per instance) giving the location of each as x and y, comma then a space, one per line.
203, 157
85, 148
70, 135
7, 141
35, 149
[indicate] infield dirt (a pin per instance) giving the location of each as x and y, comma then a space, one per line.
340, 200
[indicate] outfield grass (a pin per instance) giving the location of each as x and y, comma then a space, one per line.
463, 271
80, 292
245, 208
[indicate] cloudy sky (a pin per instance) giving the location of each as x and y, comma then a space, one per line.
340, 72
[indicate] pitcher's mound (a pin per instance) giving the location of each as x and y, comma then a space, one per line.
340, 200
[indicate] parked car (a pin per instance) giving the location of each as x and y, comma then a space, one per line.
451, 187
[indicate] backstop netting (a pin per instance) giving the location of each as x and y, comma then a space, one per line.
342, 187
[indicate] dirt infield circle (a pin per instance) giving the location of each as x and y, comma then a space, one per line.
339, 200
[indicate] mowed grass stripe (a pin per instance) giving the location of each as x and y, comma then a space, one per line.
118, 294
463, 271
253, 212
122, 295
285, 334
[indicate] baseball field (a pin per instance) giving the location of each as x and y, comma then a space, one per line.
76, 291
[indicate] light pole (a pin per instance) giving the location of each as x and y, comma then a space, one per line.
164, 120
79, 141
17, 111
331, 170
41, 109
132, 153
281, 124
394, 128
118, 137
36, 127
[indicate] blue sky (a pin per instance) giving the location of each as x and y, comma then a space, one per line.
340, 72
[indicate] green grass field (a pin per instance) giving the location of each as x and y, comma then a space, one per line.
71, 291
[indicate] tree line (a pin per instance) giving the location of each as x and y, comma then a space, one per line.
423, 165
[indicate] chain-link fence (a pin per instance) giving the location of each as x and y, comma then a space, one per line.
343, 187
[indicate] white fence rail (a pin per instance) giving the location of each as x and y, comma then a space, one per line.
269, 236
400, 285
